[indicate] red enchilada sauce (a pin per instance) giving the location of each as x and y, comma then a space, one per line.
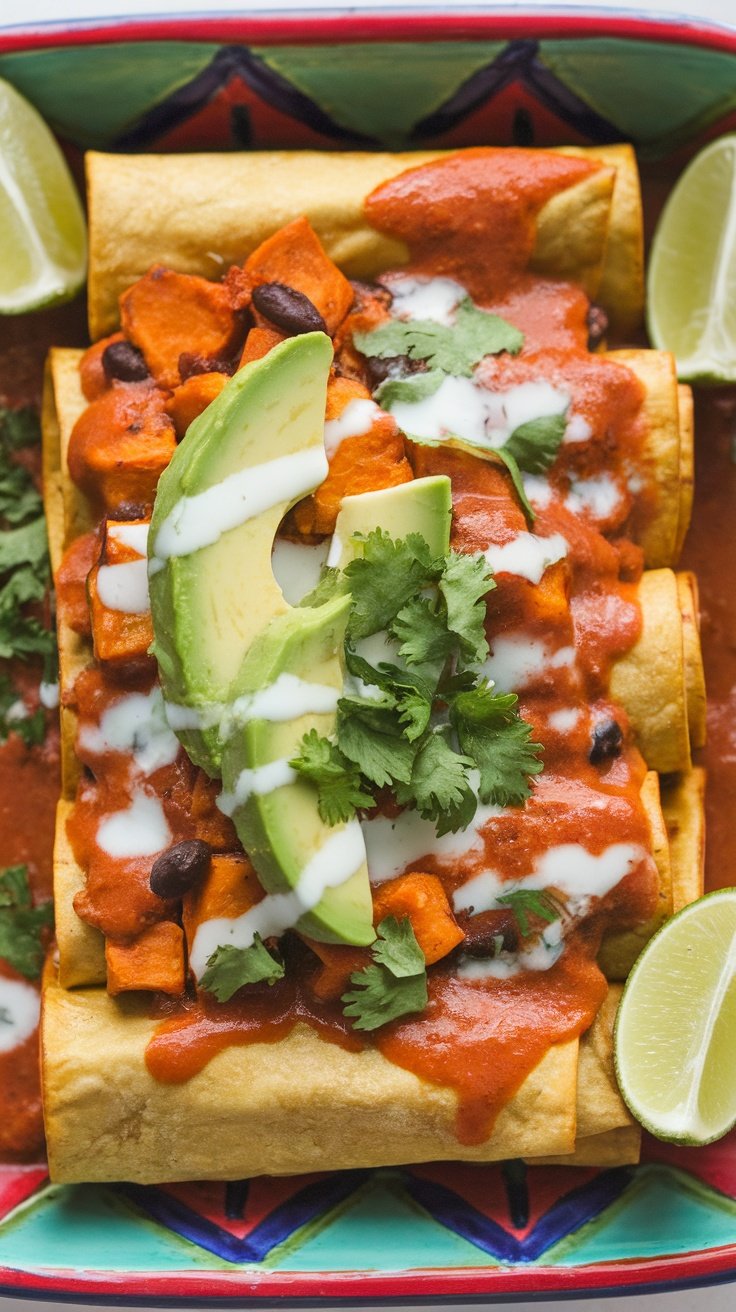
479, 1037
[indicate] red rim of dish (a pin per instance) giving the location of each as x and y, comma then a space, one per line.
314, 26
354, 1289
712, 1266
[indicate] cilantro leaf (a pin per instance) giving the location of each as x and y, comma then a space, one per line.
396, 947
517, 481
339, 785
410, 693
466, 581
22, 926
525, 902
389, 572
422, 633
417, 387
395, 984
439, 779
30, 728
19, 428
534, 445
369, 734
456, 349
492, 733
229, 968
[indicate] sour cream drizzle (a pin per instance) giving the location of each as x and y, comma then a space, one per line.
136, 724
333, 864
570, 869
261, 780
356, 420
287, 698
517, 660
527, 555
140, 830
20, 1006
199, 521
124, 587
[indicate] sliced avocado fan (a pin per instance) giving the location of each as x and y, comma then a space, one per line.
253, 453
276, 816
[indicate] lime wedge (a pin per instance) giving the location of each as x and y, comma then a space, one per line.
676, 1025
43, 241
691, 287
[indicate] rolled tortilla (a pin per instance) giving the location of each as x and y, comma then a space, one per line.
666, 458
683, 806
620, 949
201, 213
651, 680
607, 1134
687, 592
260, 1109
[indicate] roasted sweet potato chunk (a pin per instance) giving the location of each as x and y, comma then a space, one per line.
191, 398
166, 314
229, 888
121, 620
120, 445
153, 961
423, 899
294, 257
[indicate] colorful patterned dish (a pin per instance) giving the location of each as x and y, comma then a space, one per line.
431, 1232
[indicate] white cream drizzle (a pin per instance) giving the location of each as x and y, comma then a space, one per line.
124, 587
287, 698
424, 298
261, 780
564, 720
135, 724
140, 830
200, 520
578, 429
517, 659
527, 555
48, 694
463, 407
599, 496
340, 856
296, 567
538, 489
394, 844
571, 870
134, 536
356, 420
20, 1006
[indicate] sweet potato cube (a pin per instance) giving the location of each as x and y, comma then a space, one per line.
191, 398
153, 961
363, 463
229, 888
295, 257
338, 963
121, 444
422, 898
120, 634
166, 314
258, 343
92, 376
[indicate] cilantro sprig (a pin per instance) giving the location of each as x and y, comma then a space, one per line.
394, 984
427, 726
526, 902
455, 349
229, 968
24, 562
22, 926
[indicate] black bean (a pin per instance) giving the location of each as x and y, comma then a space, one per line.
179, 868
489, 932
369, 291
607, 740
392, 366
191, 364
288, 308
125, 362
128, 510
597, 321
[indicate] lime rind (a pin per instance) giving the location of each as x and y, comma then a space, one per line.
691, 285
43, 241
674, 1047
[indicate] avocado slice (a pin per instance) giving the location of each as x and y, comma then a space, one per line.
255, 451
275, 813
